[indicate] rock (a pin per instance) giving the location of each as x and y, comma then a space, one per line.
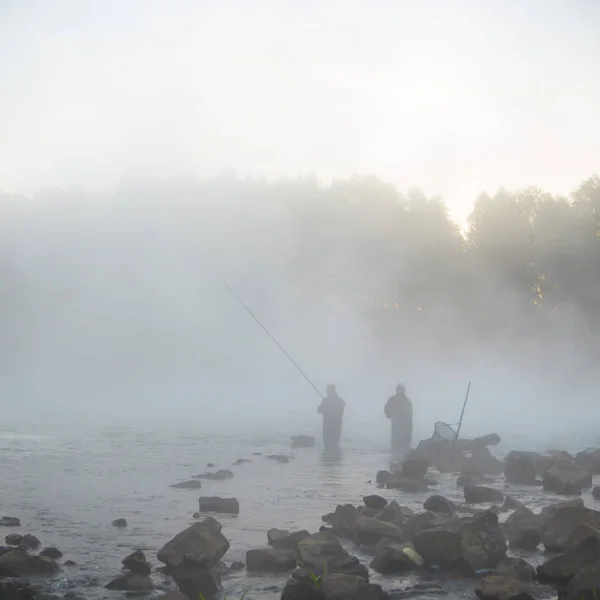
323, 548
394, 513
511, 503
302, 590
220, 475
280, 458
18, 563
468, 544
368, 512
242, 461
589, 460
196, 582
523, 529
303, 441
517, 568
439, 504
585, 585
562, 523
17, 590
566, 478
192, 484
29, 542
119, 523
519, 468
343, 519
131, 582
500, 587
51, 552
70, 563
375, 502
580, 533
369, 531
211, 465
271, 560
418, 523
219, 505
392, 557
480, 494
339, 586
560, 569
237, 565
468, 480
137, 563
202, 543
285, 540
9, 522
13, 539
415, 466
383, 477
596, 492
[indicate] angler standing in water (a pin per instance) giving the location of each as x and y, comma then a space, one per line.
399, 410
332, 409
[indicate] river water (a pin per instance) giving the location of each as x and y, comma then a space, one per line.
68, 484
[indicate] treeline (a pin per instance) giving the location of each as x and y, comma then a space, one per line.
525, 270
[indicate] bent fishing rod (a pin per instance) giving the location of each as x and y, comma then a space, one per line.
247, 309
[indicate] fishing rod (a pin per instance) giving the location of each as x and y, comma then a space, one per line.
463, 410
230, 290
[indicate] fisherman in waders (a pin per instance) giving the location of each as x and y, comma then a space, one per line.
399, 410
332, 409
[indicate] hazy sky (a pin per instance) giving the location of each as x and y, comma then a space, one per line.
453, 96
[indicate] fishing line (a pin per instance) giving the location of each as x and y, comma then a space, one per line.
228, 288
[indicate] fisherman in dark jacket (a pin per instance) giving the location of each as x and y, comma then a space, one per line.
399, 410
332, 409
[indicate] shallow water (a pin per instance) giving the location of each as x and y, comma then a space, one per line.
67, 486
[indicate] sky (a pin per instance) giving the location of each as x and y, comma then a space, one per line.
452, 96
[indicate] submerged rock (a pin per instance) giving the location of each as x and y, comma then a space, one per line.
501, 587
242, 461
280, 458
271, 560
51, 552
375, 502
201, 543
220, 475
10, 522
439, 504
192, 484
480, 494
519, 468
279, 538
119, 523
219, 505
303, 441
517, 568
19, 563
131, 582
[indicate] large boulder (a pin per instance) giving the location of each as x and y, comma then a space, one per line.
30, 542
420, 522
563, 522
567, 478
284, 540
201, 543
131, 582
13, 539
343, 519
581, 533
323, 548
219, 505
585, 585
339, 586
517, 568
415, 466
523, 529
19, 563
392, 557
439, 504
271, 560
560, 569
136, 562
375, 502
480, 494
195, 581
501, 587
519, 468
589, 460
302, 590
468, 544
369, 531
